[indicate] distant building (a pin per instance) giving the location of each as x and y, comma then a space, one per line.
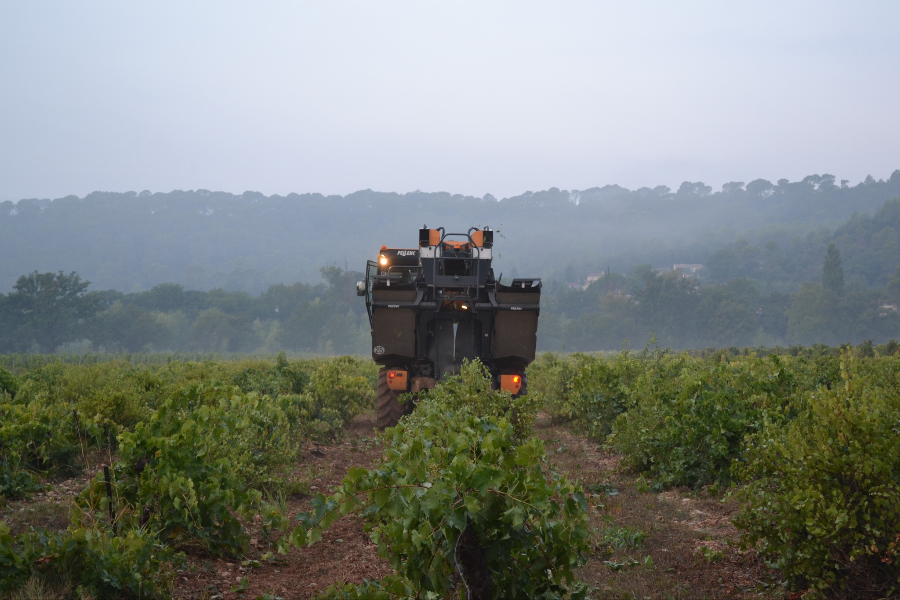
587, 281
686, 268
886, 309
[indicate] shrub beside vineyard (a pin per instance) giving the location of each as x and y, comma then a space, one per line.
813, 437
198, 445
823, 493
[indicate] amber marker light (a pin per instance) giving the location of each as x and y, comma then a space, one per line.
511, 383
396, 380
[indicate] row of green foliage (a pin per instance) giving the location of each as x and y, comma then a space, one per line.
52, 414
463, 499
822, 493
811, 439
198, 444
128, 564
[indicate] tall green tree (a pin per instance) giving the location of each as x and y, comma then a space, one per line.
128, 328
47, 309
814, 316
833, 270
665, 306
216, 331
726, 314
893, 285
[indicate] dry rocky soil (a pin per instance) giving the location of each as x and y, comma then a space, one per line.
678, 544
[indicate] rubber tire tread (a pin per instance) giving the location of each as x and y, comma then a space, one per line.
388, 410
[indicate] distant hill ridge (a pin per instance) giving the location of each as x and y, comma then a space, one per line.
202, 239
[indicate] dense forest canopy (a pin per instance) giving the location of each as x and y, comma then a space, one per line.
205, 240
787, 263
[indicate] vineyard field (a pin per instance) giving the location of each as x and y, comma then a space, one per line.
718, 474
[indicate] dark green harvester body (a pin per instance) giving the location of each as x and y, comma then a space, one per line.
434, 306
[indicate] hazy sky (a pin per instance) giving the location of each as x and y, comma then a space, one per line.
466, 97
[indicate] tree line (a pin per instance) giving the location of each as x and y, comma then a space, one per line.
769, 288
869, 244
56, 312
680, 312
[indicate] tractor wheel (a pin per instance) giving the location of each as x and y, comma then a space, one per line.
389, 410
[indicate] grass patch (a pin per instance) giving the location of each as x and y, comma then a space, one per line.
43, 514
36, 588
620, 538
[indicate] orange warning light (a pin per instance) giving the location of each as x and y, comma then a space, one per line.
511, 383
396, 380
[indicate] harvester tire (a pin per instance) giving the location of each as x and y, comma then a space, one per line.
389, 410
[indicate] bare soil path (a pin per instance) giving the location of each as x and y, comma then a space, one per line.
345, 554
679, 544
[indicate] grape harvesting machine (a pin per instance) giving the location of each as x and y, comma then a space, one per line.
432, 307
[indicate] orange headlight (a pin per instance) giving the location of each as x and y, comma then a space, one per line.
511, 383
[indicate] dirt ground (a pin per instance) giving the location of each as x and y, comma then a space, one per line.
679, 544
345, 554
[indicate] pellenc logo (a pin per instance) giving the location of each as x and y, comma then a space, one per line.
406, 252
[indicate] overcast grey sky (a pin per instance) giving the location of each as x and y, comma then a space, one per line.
465, 97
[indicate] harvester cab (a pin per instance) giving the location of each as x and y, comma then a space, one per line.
434, 306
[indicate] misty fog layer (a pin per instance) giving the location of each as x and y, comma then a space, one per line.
756, 264
203, 240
